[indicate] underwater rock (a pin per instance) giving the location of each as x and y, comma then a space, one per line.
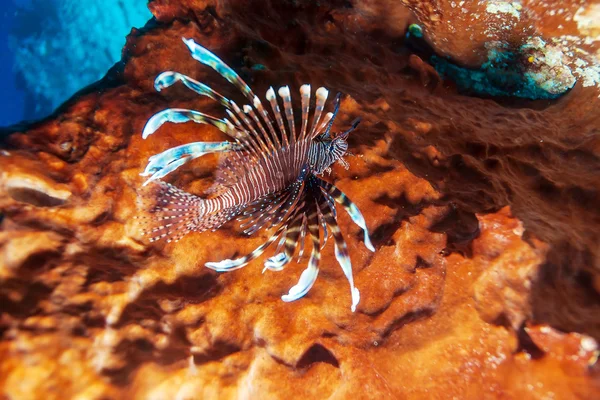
503, 290
494, 47
535, 71
483, 214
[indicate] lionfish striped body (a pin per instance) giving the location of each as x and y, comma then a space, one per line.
269, 177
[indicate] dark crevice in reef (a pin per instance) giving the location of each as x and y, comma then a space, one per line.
140, 351
217, 352
29, 304
461, 228
565, 298
317, 353
34, 197
107, 265
407, 319
185, 290
527, 345
403, 210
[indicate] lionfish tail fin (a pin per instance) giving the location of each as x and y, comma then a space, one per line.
171, 212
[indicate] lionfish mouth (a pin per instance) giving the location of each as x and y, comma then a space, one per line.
268, 178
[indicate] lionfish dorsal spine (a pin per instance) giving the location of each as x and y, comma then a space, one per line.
271, 98
242, 137
284, 93
258, 105
169, 160
326, 120
321, 95
270, 145
336, 108
256, 140
305, 98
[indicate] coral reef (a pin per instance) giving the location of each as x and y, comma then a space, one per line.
486, 278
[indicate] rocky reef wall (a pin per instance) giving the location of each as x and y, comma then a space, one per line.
486, 278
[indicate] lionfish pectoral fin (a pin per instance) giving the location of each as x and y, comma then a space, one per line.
226, 265
164, 163
276, 262
230, 265
343, 259
351, 209
294, 234
309, 275
305, 283
301, 240
359, 220
341, 249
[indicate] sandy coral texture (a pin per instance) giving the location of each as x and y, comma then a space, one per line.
484, 212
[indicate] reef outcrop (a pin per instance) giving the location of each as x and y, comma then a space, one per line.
483, 211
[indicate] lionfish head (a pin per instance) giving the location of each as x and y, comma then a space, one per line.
338, 147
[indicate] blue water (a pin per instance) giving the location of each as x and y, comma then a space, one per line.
12, 99
52, 48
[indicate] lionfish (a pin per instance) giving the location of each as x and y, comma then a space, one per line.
268, 178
